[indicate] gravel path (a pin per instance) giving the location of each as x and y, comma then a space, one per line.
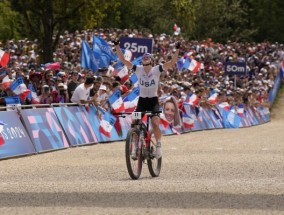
232, 171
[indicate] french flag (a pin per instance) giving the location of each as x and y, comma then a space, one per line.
213, 98
162, 99
133, 78
131, 100
164, 121
107, 123
188, 122
240, 110
53, 66
2, 141
19, 88
191, 99
5, 79
191, 65
116, 102
225, 106
33, 95
122, 72
4, 58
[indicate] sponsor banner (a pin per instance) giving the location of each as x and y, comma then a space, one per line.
257, 115
277, 83
230, 119
193, 113
78, 124
14, 139
44, 129
235, 68
250, 115
138, 46
264, 113
205, 118
245, 122
125, 125
215, 117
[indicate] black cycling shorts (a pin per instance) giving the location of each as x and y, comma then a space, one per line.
148, 104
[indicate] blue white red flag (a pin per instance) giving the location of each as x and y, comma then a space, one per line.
191, 99
4, 58
162, 99
107, 123
191, 65
187, 121
5, 80
163, 121
131, 100
213, 98
133, 78
54, 66
19, 88
116, 102
123, 73
32, 96
240, 110
225, 105
180, 63
2, 141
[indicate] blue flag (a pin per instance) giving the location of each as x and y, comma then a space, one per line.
88, 59
100, 45
12, 100
137, 61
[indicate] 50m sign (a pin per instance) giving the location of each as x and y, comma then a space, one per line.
235, 68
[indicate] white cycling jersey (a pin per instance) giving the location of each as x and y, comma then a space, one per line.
148, 83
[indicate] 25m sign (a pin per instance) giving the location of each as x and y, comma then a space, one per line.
138, 46
235, 68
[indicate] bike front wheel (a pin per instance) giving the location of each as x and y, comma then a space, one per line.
154, 164
134, 166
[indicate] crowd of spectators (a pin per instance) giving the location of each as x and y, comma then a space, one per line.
57, 86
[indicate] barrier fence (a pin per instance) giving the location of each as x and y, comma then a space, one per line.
29, 130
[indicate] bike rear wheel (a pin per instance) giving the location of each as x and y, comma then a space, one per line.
154, 164
134, 167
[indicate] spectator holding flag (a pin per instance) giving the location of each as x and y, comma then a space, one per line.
148, 76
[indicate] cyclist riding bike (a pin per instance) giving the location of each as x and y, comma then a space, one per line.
148, 76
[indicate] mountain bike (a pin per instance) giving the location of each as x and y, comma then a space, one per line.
144, 139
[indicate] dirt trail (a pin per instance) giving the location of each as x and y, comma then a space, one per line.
224, 171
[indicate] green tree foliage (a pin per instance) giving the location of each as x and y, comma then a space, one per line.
185, 16
8, 22
221, 20
97, 13
267, 17
42, 19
